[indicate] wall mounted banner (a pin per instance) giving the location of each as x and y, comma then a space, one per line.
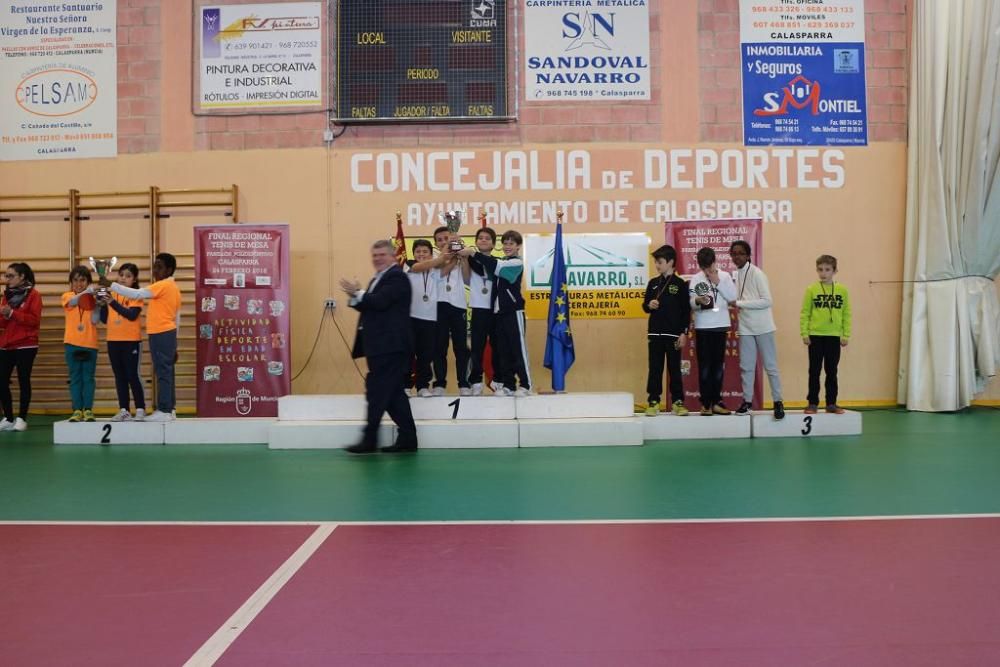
687, 238
58, 80
242, 305
579, 51
606, 274
260, 57
803, 73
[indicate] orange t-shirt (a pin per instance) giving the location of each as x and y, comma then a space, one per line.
161, 311
80, 331
121, 328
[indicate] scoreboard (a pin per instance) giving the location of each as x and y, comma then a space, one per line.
421, 60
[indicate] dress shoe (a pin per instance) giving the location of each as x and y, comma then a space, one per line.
400, 447
361, 448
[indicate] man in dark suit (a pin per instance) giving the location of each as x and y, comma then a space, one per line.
385, 339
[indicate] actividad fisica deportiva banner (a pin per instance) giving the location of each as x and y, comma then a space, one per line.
241, 300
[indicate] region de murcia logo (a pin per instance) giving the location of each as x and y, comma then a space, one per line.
243, 402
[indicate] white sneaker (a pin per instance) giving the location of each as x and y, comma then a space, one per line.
477, 389
495, 386
6, 425
424, 393
122, 416
464, 391
437, 391
502, 391
20, 425
140, 415
521, 392
160, 417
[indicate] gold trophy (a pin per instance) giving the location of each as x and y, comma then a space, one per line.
101, 267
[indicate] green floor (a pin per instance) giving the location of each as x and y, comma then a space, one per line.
906, 463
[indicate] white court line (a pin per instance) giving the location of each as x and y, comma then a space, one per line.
223, 638
518, 522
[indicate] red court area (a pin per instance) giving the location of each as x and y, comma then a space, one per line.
876, 592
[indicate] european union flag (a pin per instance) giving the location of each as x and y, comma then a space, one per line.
559, 353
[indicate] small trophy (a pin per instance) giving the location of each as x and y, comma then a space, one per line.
101, 267
704, 289
453, 220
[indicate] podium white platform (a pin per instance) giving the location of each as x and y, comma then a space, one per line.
321, 407
467, 434
593, 432
248, 430
576, 405
107, 433
796, 424
695, 427
462, 422
466, 422
311, 434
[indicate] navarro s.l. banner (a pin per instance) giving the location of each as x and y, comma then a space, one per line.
241, 301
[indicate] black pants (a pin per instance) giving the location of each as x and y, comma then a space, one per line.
451, 326
483, 328
824, 352
23, 360
124, 357
512, 354
710, 346
660, 347
424, 336
384, 391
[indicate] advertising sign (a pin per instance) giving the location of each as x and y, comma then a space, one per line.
803, 73
58, 80
260, 57
584, 51
606, 274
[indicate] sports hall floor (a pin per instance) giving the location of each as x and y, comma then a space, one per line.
879, 549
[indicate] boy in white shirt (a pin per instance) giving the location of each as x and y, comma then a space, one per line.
753, 299
712, 292
423, 315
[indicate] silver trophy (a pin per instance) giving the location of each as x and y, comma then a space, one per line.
453, 220
101, 268
704, 289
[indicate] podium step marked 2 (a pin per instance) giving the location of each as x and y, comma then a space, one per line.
108, 433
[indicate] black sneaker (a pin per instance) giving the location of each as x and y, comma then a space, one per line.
744, 408
779, 410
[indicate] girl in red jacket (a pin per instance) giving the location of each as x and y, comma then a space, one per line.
20, 318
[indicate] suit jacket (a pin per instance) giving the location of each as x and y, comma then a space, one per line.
384, 325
